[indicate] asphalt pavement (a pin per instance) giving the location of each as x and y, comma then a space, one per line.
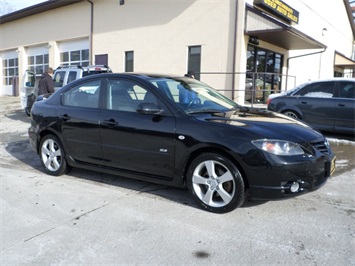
88, 218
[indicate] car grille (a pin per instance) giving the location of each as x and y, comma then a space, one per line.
321, 146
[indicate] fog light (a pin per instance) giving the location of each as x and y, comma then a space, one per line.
294, 187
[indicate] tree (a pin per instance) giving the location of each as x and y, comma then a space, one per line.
5, 7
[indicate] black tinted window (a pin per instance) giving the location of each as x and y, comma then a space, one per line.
84, 95
127, 95
346, 89
318, 89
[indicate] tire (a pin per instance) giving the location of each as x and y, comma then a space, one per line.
216, 183
292, 114
28, 111
52, 156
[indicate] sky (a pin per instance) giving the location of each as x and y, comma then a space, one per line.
20, 4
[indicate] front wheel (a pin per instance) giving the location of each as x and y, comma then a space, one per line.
216, 183
52, 156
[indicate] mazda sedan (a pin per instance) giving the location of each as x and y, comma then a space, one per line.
178, 131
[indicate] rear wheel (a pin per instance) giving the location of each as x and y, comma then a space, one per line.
292, 114
28, 111
216, 183
52, 156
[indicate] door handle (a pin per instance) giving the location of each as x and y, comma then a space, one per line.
110, 123
303, 102
341, 105
64, 117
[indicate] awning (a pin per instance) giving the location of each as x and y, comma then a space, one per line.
343, 61
268, 29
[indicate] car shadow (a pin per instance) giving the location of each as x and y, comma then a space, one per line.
349, 137
18, 115
22, 151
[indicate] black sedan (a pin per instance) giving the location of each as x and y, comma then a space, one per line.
327, 105
178, 131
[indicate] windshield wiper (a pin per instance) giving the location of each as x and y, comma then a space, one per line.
208, 111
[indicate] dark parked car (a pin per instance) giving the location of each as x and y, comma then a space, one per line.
178, 131
327, 105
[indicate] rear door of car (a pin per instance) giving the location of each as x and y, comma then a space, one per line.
133, 141
345, 107
29, 89
318, 104
78, 119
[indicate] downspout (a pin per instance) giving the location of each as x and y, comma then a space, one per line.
91, 31
288, 61
234, 47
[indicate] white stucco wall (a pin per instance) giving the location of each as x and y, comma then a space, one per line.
160, 32
315, 16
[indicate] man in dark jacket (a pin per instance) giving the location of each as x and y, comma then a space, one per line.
46, 83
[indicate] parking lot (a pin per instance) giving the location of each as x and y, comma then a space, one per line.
90, 218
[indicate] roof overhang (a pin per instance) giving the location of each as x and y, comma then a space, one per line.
268, 29
343, 61
35, 9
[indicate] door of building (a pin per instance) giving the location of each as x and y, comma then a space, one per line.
263, 72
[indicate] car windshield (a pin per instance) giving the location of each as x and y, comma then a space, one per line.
193, 96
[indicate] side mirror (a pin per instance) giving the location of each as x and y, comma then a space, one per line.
149, 108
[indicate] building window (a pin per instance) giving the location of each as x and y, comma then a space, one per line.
101, 59
38, 63
194, 60
129, 61
77, 57
10, 70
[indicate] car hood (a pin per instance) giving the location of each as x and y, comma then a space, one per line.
261, 123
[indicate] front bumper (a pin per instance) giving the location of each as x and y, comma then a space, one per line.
285, 180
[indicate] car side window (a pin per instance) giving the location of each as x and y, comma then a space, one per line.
59, 78
71, 76
124, 95
84, 95
318, 89
346, 89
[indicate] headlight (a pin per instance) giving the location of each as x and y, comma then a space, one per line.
278, 147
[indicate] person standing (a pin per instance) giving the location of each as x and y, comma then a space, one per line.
46, 83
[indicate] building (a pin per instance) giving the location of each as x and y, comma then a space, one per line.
234, 45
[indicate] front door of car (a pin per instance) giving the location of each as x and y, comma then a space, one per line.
317, 103
78, 120
135, 141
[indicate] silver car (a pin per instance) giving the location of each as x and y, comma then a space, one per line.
327, 105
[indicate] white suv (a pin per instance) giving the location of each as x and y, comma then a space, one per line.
62, 76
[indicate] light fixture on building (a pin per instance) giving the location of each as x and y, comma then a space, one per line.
18, 50
121, 2
254, 40
48, 46
324, 31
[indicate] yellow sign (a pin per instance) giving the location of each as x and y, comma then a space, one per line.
281, 9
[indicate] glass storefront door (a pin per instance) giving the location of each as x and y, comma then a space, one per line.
263, 74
